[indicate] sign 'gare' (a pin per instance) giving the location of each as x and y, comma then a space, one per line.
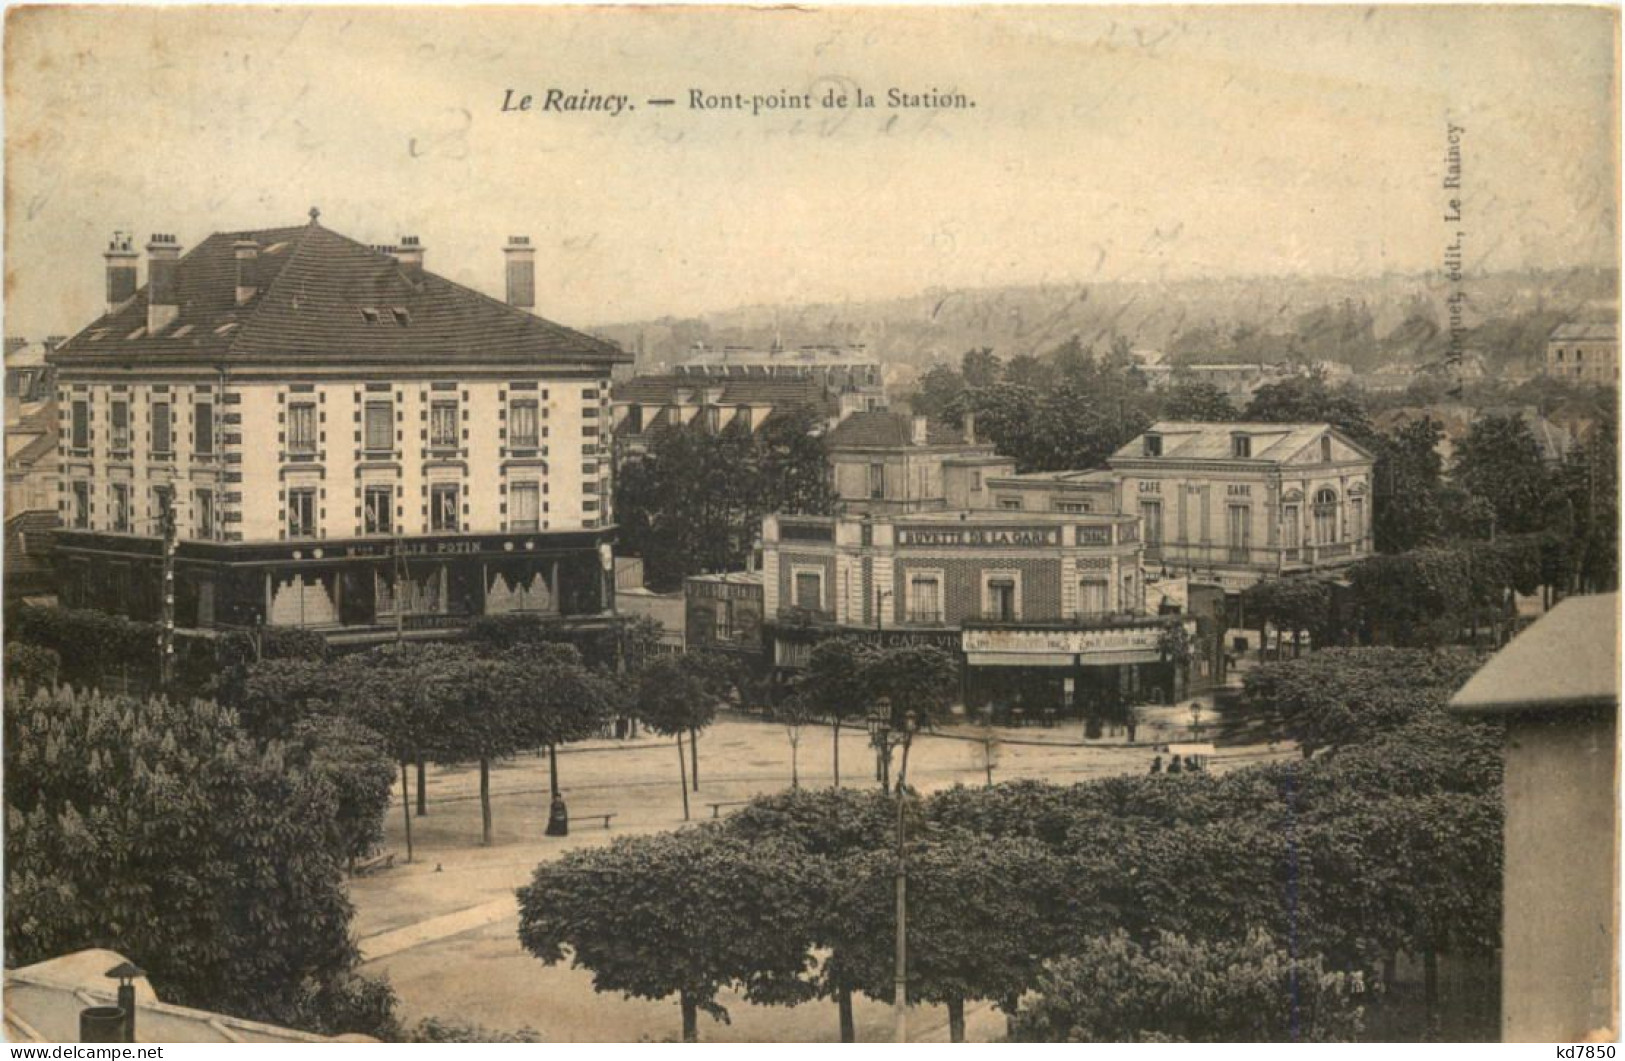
973, 537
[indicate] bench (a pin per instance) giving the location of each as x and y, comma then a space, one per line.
716, 808
596, 817
374, 864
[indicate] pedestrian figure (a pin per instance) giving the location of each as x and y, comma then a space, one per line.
1156, 765
1173, 764
558, 817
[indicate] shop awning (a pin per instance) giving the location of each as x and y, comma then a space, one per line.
1062, 659
1020, 659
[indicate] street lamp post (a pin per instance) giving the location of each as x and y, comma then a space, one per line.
887, 737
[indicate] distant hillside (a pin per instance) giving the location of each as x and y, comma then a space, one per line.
1374, 319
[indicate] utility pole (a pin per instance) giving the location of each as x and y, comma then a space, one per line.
166, 633
900, 987
400, 594
400, 637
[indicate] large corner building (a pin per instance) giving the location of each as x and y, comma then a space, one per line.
347, 442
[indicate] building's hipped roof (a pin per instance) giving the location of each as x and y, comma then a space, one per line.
1190, 440
1568, 659
881, 428
325, 298
1597, 330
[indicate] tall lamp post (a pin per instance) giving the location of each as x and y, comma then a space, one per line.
886, 737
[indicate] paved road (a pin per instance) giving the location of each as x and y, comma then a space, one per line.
444, 927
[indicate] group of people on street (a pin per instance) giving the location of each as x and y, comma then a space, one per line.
1177, 764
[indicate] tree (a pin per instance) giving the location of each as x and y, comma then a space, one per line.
981, 919
1589, 485
1290, 604
683, 914
160, 830
383, 691
1025, 370
274, 696
483, 710
793, 712
1500, 461
556, 698
918, 680
31, 666
939, 386
981, 368
791, 461
353, 761
1307, 400
692, 503
834, 683
672, 701
1342, 696
1407, 480
1182, 990
1199, 401
832, 827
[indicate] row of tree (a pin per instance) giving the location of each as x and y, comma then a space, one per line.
1129, 908
208, 840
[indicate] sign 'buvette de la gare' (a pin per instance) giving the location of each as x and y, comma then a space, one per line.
973, 537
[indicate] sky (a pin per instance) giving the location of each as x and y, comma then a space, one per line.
1104, 144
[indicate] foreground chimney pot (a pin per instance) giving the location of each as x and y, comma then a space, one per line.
409, 253
521, 270
121, 258
247, 253
163, 273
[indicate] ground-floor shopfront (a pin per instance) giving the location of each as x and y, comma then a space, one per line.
1038, 673
342, 588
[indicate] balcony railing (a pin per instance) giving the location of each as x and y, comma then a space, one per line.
1275, 559
798, 615
924, 617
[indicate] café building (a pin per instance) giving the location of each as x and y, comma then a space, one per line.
1045, 608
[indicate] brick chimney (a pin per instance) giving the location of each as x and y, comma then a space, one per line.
922, 430
409, 252
247, 253
521, 259
163, 295
121, 262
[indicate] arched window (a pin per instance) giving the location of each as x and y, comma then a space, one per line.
1325, 511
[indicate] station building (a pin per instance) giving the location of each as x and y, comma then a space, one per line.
1234, 503
346, 441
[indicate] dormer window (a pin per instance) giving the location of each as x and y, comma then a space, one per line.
1241, 446
369, 314
138, 333
1153, 445
225, 328
402, 315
